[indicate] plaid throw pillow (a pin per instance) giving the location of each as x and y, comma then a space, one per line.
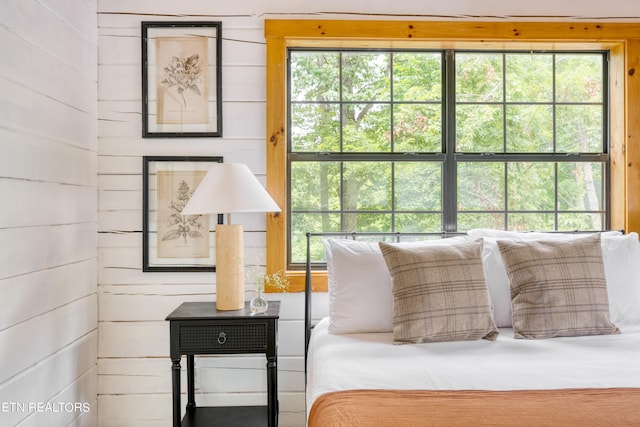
558, 288
439, 293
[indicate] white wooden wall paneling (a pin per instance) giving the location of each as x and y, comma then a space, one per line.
40, 159
140, 410
48, 143
36, 71
46, 378
37, 114
38, 203
112, 164
26, 343
88, 419
80, 391
110, 15
213, 375
199, 147
148, 301
81, 17
121, 119
39, 248
380, 9
57, 34
145, 302
45, 290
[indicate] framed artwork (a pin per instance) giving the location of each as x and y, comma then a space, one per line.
181, 79
172, 241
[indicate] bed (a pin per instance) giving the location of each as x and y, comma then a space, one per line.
358, 374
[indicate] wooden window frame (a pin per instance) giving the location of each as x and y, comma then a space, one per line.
622, 40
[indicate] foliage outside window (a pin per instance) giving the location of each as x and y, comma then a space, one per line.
409, 140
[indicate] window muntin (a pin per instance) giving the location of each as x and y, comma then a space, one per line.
368, 149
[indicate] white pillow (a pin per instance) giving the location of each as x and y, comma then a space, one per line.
360, 291
620, 254
477, 233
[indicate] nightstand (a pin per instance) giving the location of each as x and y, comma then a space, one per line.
197, 328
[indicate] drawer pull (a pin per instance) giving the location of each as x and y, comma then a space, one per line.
222, 338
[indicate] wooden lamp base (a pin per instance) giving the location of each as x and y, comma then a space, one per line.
229, 267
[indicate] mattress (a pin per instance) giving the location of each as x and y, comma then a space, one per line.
371, 361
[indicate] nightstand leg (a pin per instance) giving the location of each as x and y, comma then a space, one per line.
191, 399
272, 390
175, 383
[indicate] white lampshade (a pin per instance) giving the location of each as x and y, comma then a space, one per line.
229, 188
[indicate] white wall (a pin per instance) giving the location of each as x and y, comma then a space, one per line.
134, 368
48, 212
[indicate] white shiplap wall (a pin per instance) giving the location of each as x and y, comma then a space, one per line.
48, 211
133, 365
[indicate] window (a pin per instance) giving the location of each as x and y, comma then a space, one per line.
619, 41
445, 140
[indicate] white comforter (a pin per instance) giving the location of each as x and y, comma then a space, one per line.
371, 361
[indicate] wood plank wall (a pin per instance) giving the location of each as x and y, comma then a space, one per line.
48, 211
133, 363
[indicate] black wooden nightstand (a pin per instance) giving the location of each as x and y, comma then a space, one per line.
197, 328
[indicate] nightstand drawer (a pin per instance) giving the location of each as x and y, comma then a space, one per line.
224, 337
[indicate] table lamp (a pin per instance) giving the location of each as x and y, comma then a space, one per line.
229, 188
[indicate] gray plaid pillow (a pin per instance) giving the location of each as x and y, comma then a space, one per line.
558, 287
439, 293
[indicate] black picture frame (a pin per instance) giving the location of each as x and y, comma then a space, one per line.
181, 79
175, 243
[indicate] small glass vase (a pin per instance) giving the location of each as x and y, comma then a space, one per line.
258, 303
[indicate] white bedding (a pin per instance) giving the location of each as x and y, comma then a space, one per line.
371, 361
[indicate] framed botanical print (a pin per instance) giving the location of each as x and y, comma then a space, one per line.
172, 241
181, 79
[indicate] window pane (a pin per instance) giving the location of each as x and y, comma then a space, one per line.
479, 129
315, 127
315, 186
531, 221
418, 223
580, 186
418, 186
366, 186
365, 76
315, 76
579, 129
366, 128
529, 129
367, 222
417, 76
479, 77
579, 78
481, 186
417, 128
301, 224
580, 221
467, 221
531, 186
529, 77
